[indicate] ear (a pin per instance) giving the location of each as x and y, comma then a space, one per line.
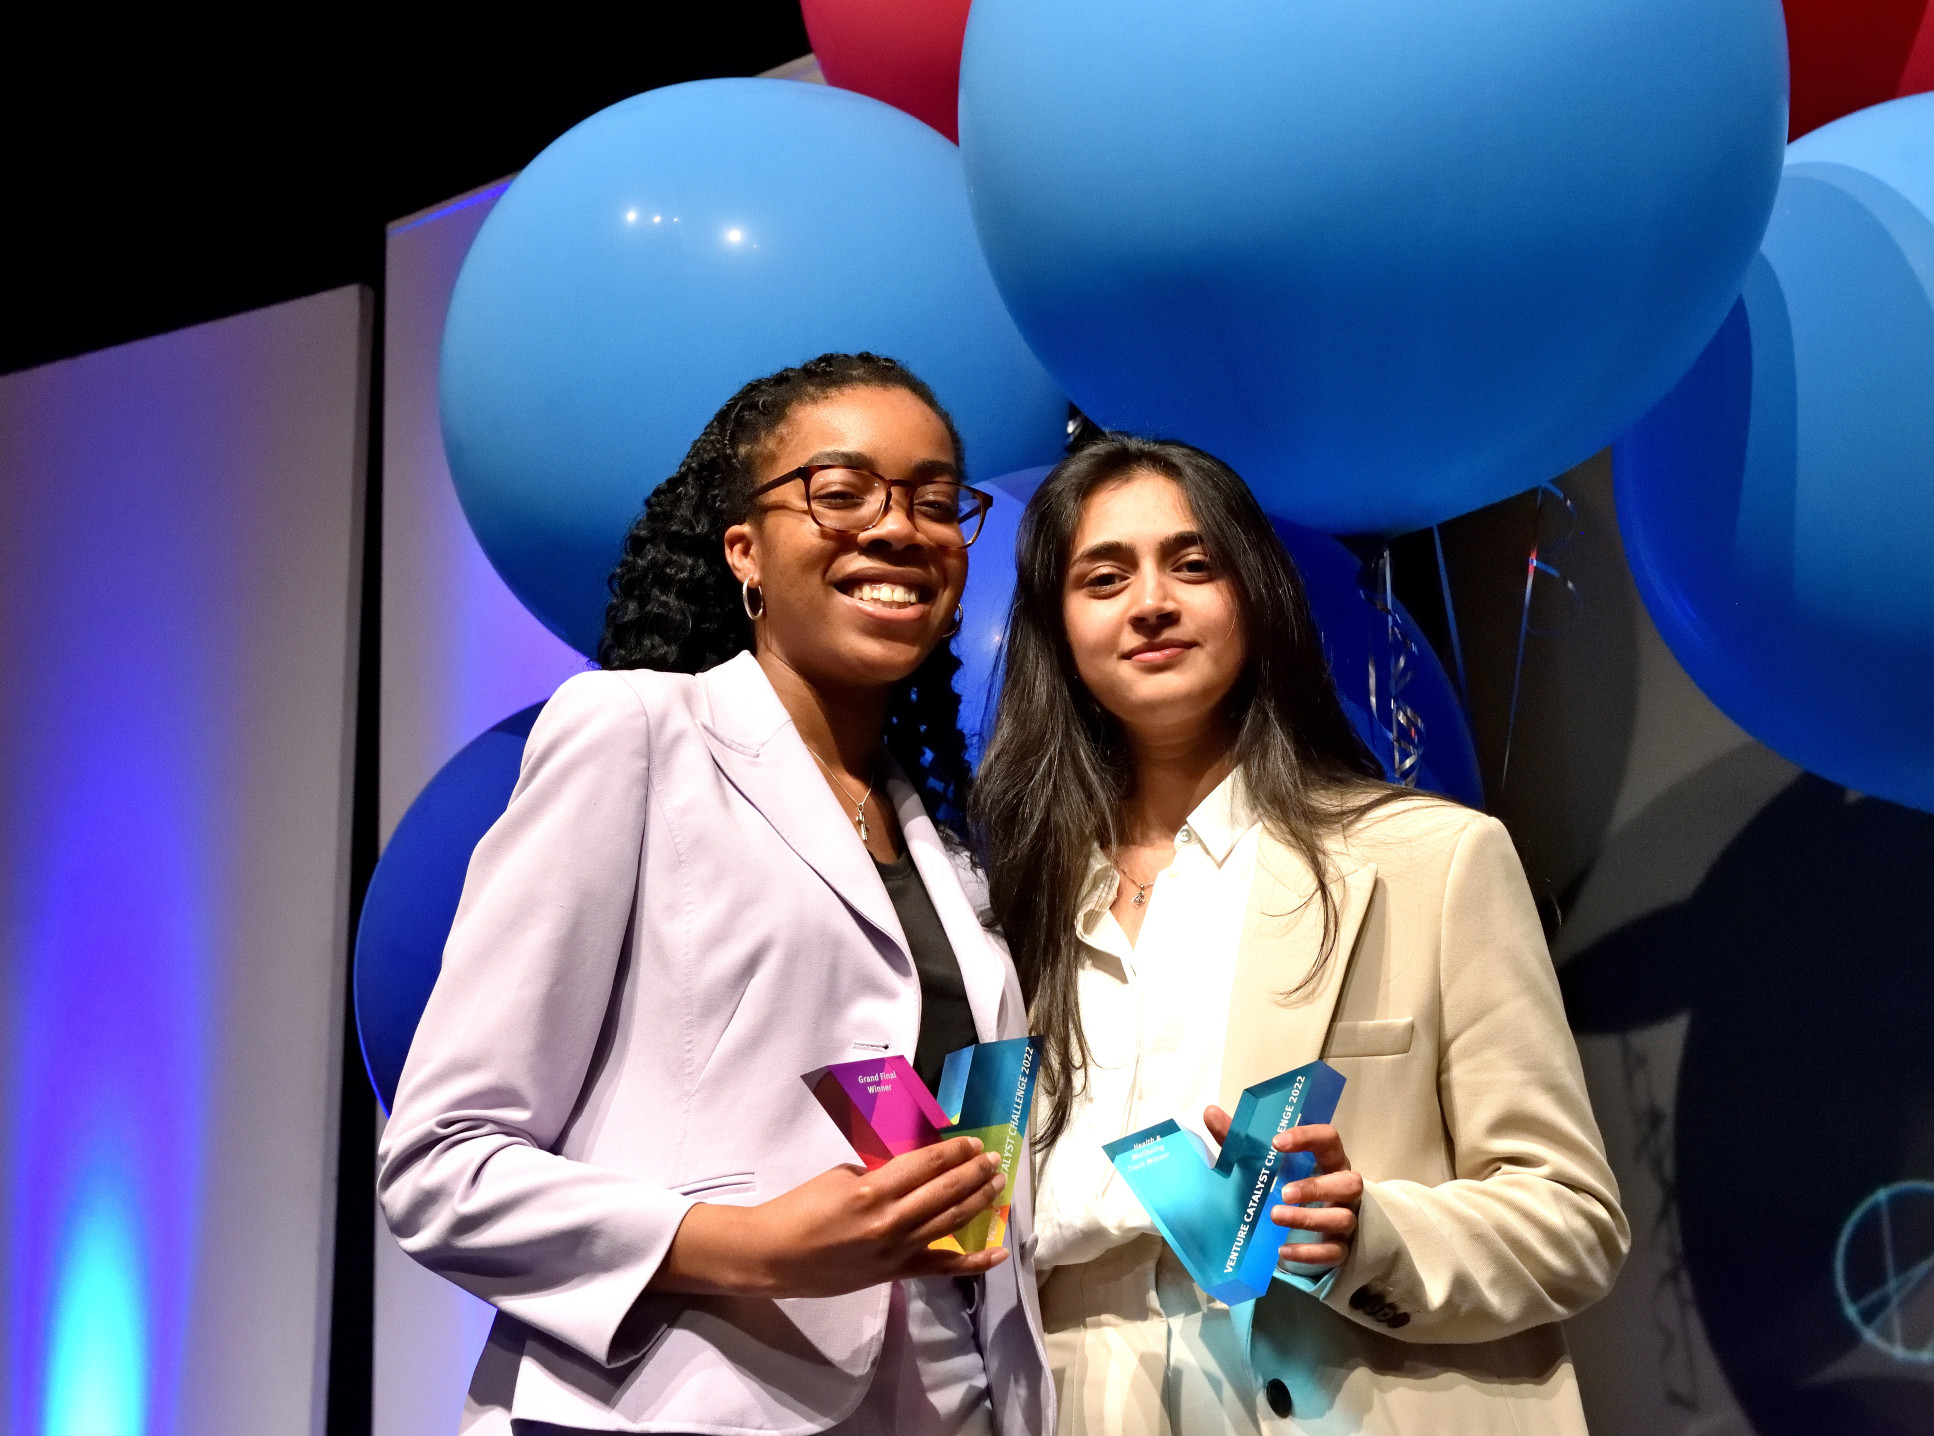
742, 553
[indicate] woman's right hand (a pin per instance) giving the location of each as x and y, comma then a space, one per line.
846, 1229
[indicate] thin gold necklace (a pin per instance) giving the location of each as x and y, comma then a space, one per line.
859, 808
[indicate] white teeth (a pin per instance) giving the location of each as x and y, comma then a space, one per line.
885, 593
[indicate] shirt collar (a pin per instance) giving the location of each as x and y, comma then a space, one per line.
1221, 819
1218, 823
1097, 893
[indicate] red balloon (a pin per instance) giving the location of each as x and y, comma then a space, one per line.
906, 52
1848, 54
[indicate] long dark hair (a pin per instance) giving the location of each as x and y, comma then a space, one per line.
1057, 769
675, 605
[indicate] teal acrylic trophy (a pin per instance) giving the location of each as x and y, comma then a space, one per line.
1216, 1218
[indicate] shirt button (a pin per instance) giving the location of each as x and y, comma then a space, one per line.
1183, 836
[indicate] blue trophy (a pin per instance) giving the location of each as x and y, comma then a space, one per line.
1216, 1218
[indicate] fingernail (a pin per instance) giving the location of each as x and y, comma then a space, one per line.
979, 1146
1000, 1180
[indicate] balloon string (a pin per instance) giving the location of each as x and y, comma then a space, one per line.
1517, 672
1405, 728
1535, 565
1450, 618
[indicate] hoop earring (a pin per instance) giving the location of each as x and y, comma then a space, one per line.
745, 600
959, 617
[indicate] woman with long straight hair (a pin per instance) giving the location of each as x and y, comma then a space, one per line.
722, 868
1205, 883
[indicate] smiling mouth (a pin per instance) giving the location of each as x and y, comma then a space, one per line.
887, 595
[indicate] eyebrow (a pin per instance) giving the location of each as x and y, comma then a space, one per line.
857, 459
1121, 551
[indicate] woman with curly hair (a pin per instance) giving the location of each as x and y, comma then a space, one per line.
725, 866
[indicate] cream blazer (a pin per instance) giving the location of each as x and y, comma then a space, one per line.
1489, 1212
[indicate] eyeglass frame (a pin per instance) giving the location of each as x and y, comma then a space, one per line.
805, 472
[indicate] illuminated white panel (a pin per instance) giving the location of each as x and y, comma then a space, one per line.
180, 557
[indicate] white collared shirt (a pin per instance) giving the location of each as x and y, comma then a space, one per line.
1155, 1014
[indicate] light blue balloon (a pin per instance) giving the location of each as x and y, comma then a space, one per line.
1778, 506
1391, 259
665, 251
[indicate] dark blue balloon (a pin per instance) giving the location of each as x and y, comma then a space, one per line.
1355, 633
983, 608
1778, 506
667, 250
413, 893
1392, 259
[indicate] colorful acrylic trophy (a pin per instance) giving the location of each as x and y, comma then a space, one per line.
1216, 1219
986, 1090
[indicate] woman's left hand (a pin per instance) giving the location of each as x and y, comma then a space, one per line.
1331, 1227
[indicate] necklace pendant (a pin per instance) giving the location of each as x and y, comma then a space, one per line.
863, 832
1141, 896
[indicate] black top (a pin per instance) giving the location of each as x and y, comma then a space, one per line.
946, 1021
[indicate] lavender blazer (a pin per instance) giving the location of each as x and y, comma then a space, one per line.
673, 920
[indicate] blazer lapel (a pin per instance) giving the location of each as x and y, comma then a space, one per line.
755, 745
1275, 1026
981, 970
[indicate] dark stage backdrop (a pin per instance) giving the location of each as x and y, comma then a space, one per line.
168, 167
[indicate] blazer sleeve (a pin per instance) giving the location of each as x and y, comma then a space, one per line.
1530, 1230
467, 1177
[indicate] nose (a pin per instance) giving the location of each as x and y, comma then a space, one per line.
896, 528
1151, 599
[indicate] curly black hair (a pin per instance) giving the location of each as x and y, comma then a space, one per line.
675, 605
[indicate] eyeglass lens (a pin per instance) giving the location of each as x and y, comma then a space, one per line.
854, 499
